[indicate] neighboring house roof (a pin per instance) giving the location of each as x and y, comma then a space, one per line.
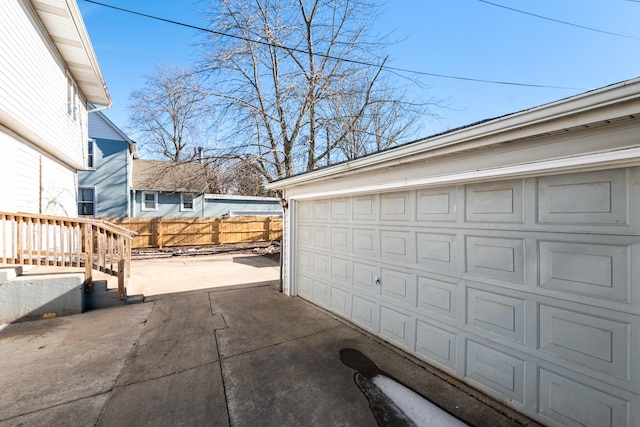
63, 21
170, 176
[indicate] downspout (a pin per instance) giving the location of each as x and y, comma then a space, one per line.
284, 204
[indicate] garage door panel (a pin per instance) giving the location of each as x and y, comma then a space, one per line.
304, 260
365, 208
437, 204
396, 206
341, 208
341, 302
341, 271
397, 327
366, 278
500, 202
321, 236
438, 297
321, 293
593, 269
366, 242
438, 251
500, 258
305, 284
437, 345
398, 286
321, 209
601, 344
366, 313
596, 198
341, 240
500, 372
569, 402
320, 265
397, 246
304, 236
498, 314
304, 209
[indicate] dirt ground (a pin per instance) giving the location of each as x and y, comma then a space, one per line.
270, 250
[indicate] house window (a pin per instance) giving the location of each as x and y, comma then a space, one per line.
72, 98
86, 201
149, 201
90, 152
186, 202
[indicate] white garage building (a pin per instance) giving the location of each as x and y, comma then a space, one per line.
506, 253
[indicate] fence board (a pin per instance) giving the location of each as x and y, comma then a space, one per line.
178, 231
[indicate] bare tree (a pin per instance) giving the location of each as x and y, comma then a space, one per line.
292, 77
241, 177
169, 114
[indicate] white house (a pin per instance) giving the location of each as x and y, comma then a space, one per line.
48, 74
506, 253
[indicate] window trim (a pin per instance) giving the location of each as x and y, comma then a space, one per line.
94, 202
72, 98
143, 206
91, 153
182, 201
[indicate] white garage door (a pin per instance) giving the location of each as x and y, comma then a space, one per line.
527, 289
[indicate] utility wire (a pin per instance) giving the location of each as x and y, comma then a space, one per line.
336, 58
563, 22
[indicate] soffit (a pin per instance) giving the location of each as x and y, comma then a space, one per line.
62, 20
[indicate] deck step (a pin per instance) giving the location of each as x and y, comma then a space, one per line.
134, 299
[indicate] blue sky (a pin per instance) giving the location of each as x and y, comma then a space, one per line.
464, 38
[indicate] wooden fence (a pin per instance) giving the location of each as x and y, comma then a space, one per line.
160, 232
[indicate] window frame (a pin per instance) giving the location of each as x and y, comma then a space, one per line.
182, 202
143, 204
72, 98
93, 202
91, 153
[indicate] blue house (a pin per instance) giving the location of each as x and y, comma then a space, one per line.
166, 189
103, 190
118, 184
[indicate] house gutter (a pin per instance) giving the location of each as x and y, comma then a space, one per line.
579, 110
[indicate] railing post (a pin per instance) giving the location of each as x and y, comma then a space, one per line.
87, 234
121, 275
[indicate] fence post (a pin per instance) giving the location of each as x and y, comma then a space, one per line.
159, 237
267, 229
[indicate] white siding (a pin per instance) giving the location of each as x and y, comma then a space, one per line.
8, 172
24, 169
27, 179
33, 100
59, 187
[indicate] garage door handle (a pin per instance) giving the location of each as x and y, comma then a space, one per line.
377, 281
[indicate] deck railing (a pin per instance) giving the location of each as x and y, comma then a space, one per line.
32, 239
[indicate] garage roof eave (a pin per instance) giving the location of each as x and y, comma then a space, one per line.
577, 110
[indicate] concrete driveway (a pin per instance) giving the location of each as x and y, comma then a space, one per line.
155, 276
229, 355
